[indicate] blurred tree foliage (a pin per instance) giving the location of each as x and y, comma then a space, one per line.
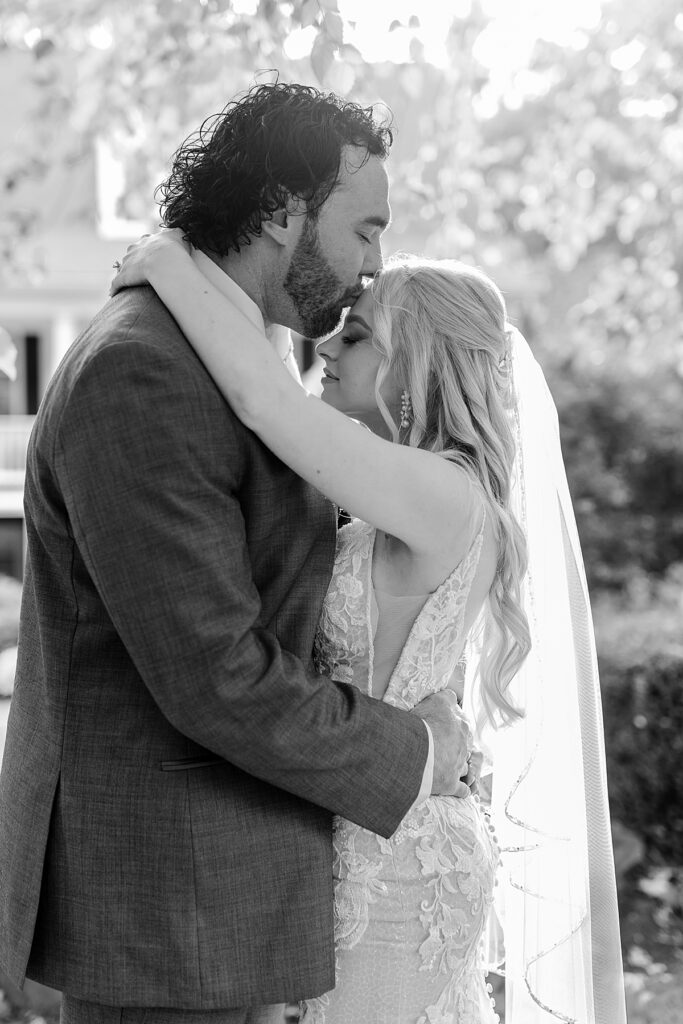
644, 738
569, 192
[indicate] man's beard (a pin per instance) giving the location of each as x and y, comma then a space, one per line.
313, 286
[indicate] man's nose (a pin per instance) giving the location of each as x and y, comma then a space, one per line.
374, 260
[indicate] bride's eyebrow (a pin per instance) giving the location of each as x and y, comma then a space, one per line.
354, 318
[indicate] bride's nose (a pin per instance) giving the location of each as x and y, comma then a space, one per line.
329, 348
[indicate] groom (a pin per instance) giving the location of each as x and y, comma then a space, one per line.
172, 759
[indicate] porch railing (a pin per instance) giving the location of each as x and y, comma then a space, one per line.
14, 435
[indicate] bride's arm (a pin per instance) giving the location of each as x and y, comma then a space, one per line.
409, 493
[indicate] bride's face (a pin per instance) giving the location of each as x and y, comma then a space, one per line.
351, 365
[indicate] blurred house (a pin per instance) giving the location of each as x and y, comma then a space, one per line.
56, 277
58, 272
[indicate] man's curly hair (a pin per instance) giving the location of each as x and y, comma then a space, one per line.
280, 142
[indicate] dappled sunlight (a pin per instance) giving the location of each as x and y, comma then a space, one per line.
541, 141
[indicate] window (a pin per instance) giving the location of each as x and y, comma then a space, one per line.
12, 548
111, 183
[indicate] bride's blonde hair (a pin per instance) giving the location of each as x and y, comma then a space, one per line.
441, 327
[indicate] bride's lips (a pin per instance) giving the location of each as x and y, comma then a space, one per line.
327, 376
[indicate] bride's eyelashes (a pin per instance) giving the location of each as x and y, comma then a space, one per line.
354, 335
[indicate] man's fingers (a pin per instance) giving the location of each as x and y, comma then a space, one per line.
476, 763
453, 740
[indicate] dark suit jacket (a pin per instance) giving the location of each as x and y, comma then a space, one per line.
171, 758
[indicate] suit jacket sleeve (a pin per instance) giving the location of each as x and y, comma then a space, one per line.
149, 461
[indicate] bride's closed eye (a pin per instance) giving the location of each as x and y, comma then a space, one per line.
354, 329
354, 332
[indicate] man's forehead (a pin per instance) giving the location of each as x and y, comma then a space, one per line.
363, 184
357, 164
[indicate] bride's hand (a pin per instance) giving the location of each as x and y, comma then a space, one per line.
147, 255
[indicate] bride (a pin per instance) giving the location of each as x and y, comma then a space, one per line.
432, 587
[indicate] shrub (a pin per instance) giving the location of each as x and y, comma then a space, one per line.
643, 713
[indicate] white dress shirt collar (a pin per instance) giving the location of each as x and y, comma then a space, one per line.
277, 335
225, 284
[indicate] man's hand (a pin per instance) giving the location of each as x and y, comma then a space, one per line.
456, 764
475, 763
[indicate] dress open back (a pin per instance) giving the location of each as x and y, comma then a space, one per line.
410, 911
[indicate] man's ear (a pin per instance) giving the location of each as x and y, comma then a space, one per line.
279, 227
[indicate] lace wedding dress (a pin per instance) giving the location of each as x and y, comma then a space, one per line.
409, 912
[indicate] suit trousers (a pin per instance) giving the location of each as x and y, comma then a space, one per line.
80, 1011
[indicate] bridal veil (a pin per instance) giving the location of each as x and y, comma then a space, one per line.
556, 897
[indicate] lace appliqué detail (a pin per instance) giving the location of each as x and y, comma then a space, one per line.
459, 1002
357, 887
457, 859
341, 647
314, 1010
435, 642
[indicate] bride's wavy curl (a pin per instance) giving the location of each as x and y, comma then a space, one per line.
441, 327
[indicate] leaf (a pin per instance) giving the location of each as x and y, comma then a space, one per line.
340, 78
43, 48
334, 27
309, 13
322, 56
350, 54
417, 51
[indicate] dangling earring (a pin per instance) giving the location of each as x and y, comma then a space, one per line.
406, 410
